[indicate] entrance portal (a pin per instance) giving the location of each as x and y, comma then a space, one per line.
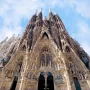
41, 82
76, 82
50, 84
14, 83
46, 84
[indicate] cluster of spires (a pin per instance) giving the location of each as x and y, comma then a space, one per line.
7, 46
39, 16
15, 43
49, 12
10, 39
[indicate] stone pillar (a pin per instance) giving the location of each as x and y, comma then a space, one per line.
6, 85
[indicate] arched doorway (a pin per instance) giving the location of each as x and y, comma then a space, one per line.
76, 82
50, 83
14, 83
41, 82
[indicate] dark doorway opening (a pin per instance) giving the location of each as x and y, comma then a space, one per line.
85, 61
45, 35
76, 82
41, 82
14, 83
50, 83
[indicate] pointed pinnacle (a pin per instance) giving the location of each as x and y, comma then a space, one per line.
6, 38
36, 12
41, 9
13, 35
49, 10
54, 12
17, 36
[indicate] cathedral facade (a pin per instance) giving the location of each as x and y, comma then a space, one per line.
45, 57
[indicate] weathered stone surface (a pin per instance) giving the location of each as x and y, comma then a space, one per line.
44, 48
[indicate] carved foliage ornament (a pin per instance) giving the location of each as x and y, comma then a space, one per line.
76, 72
59, 79
9, 73
30, 75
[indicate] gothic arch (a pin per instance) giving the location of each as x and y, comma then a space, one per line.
77, 84
45, 35
46, 83
41, 81
67, 49
50, 81
72, 68
45, 57
14, 84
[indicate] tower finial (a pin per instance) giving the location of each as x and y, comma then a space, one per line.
54, 12
13, 35
49, 10
41, 9
36, 12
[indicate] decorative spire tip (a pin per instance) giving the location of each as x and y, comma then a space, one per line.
54, 12
49, 10
36, 12
41, 9
13, 35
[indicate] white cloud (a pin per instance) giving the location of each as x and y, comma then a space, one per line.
84, 34
8, 32
83, 7
83, 29
54, 3
80, 6
13, 11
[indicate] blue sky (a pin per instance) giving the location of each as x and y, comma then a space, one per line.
15, 14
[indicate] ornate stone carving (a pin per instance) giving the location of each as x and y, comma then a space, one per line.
59, 79
9, 73
31, 75
44, 47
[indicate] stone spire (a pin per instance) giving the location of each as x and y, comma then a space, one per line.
13, 37
54, 12
51, 17
39, 17
33, 18
44, 51
56, 16
4, 40
29, 28
45, 22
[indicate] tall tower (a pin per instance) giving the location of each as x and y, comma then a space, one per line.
46, 58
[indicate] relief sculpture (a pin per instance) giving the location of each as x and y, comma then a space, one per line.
59, 79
